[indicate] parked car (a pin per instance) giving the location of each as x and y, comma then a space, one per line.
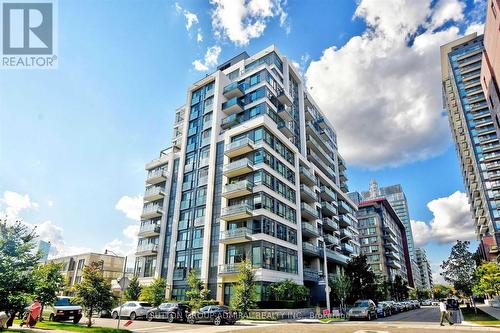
216, 314
365, 309
63, 310
132, 310
169, 311
434, 303
416, 303
383, 310
426, 302
392, 305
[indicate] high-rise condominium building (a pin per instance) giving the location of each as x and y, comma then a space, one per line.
425, 269
383, 240
474, 130
254, 173
490, 65
397, 198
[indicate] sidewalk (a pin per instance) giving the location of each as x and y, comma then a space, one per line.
494, 312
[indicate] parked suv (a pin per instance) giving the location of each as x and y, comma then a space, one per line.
169, 311
364, 309
132, 310
63, 310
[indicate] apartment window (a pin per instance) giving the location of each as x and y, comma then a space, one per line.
234, 74
81, 263
149, 266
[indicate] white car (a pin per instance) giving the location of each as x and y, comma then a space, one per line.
132, 310
426, 302
63, 310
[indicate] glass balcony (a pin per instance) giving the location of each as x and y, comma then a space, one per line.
229, 121
310, 230
285, 113
203, 181
156, 176
154, 193
192, 131
147, 249
330, 239
238, 189
308, 211
336, 257
228, 269
327, 194
345, 221
286, 129
392, 247
284, 98
239, 147
310, 249
393, 264
346, 234
232, 106
205, 141
186, 204
392, 255
344, 208
234, 236
307, 177
238, 168
204, 162
311, 275
328, 209
390, 238
149, 230
347, 248
307, 194
236, 212
329, 224
233, 90
151, 211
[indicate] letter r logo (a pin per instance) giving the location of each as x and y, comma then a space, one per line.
27, 28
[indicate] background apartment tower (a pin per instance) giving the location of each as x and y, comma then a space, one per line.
383, 240
397, 198
258, 176
474, 130
425, 269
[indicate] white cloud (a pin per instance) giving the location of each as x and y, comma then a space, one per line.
15, 203
131, 206
475, 27
48, 231
242, 20
191, 18
452, 221
210, 60
382, 90
199, 36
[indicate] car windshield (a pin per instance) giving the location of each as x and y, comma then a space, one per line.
205, 308
165, 305
145, 305
64, 302
361, 304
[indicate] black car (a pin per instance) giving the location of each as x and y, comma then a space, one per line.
169, 311
383, 310
216, 314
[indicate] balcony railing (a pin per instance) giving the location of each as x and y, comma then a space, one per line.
233, 90
328, 194
328, 208
229, 121
149, 229
152, 211
240, 188
310, 275
232, 106
308, 211
147, 248
330, 224
310, 229
307, 176
308, 192
229, 269
238, 167
331, 239
156, 176
310, 248
235, 235
239, 147
241, 210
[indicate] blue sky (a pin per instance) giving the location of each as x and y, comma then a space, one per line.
74, 140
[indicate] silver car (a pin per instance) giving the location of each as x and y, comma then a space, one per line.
132, 310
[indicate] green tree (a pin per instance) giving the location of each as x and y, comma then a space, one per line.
197, 293
341, 287
155, 292
133, 291
487, 279
48, 282
442, 291
362, 278
93, 293
17, 259
399, 288
289, 292
423, 293
459, 268
245, 296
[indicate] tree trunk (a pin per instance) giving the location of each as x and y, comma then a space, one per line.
89, 323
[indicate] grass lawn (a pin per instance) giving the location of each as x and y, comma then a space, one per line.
481, 318
329, 320
52, 325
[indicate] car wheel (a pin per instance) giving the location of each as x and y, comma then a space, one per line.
191, 320
132, 316
114, 315
171, 317
150, 316
76, 320
51, 317
217, 321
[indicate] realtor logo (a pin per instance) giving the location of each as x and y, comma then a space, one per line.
28, 37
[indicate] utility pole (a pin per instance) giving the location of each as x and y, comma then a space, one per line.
121, 286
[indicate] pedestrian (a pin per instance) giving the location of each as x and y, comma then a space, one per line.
32, 314
444, 312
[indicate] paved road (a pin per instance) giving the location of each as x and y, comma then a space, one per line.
416, 321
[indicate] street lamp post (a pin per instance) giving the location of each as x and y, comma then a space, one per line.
121, 294
325, 272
